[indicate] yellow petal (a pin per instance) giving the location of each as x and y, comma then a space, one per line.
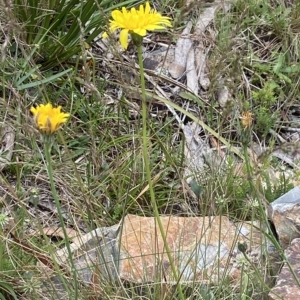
113, 26
140, 31
133, 11
124, 38
141, 10
33, 110
154, 27
116, 14
147, 8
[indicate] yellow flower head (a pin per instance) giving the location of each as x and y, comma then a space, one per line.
47, 118
136, 21
246, 119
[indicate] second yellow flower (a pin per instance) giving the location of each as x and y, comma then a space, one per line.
47, 118
137, 21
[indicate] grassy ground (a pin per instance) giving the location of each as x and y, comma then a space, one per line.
97, 157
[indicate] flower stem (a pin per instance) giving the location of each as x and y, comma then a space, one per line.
148, 171
47, 150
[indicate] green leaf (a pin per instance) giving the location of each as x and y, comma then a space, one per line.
291, 69
7, 288
189, 96
2, 297
45, 80
280, 61
192, 97
28, 74
284, 78
196, 188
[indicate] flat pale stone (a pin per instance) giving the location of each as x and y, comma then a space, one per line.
202, 248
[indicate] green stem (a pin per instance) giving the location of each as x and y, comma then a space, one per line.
1, 250
47, 149
148, 172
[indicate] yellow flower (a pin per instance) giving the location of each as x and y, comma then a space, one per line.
136, 21
246, 119
47, 118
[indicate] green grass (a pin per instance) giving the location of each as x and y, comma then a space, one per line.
97, 157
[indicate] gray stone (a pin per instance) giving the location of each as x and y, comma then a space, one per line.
285, 214
291, 197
